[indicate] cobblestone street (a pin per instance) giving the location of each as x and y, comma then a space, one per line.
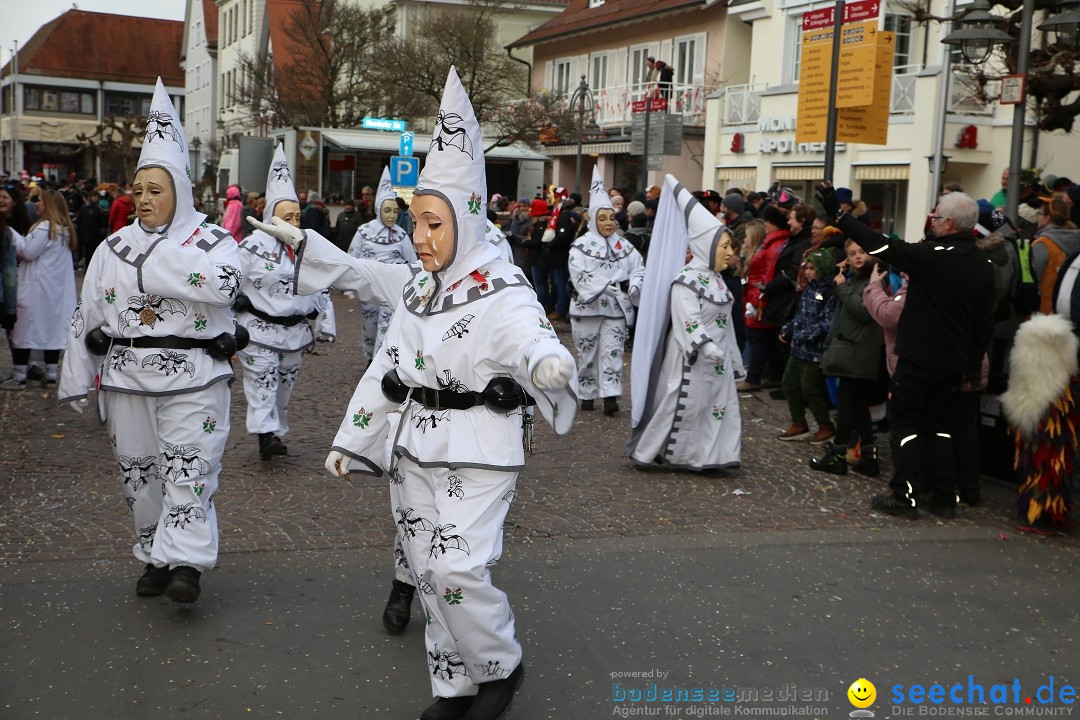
64, 501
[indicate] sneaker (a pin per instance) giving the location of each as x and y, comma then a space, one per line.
892, 505
832, 461
867, 464
824, 434
797, 431
183, 586
746, 387
12, 384
153, 581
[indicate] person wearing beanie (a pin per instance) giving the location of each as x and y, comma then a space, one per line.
803, 381
468, 353
636, 207
275, 317
383, 241
684, 407
734, 215
153, 335
607, 272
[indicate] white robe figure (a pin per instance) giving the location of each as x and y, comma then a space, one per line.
452, 472
276, 319
602, 312
46, 296
386, 243
166, 408
685, 406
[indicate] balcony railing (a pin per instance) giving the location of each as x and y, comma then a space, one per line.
903, 89
742, 104
963, 98
614, 105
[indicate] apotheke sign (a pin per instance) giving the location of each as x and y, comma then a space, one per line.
770, 124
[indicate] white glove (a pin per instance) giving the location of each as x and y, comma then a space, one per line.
78, 405
711, 353
279, 229
338, 464
553, 373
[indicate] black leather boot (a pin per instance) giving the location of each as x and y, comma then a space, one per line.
398, 608
494, 697
448, 708
183, 586
153, 581
868, 464
611, 405
271, 445
833, 461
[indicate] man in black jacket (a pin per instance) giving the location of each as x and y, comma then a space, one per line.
945, 329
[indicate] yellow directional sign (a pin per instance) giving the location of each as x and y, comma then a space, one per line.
870, 123
855, 80
813, 108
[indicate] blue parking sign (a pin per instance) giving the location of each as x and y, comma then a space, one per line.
404, 171
405, 149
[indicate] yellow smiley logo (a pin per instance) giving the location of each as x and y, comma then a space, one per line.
862, 693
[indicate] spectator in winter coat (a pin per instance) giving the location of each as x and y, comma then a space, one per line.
234, 213
804, 383
348, 222
121, 211
766, 357
853, 357
316, 216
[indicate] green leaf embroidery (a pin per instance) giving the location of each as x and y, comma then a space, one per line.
362, 418
196, 279
453, 597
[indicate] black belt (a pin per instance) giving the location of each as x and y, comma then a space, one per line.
243, 304
169, 342
502, 393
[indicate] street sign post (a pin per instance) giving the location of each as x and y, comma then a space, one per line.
405, 145
372, 123
404, 171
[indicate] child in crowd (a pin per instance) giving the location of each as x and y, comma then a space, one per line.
803, 382
854, 357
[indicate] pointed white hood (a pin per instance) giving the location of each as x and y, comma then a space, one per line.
454, 170
384, 192
598, 199
279, 184
166, 147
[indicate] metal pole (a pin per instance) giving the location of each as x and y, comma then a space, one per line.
645, 158
1016, 161
943, 110
15, 110
834, 73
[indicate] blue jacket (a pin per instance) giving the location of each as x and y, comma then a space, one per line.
809, 328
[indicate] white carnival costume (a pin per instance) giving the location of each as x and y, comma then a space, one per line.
685, 412
602, 312
162, 296
385, 243
46, 296
275, 318
459, 336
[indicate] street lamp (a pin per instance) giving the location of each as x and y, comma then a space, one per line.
976, 38
1066, 24
581, 102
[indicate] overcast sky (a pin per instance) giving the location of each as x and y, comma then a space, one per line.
21, 19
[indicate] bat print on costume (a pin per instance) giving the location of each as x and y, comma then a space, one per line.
147, 310
121, 356
442, 541
454, 487
181, 516
145, 537
181, 462
136, 472
459, 329
425, 419
169, 362
288, 374
410, 525
492, 668
77, 322
230, 279
449, 382
445, 664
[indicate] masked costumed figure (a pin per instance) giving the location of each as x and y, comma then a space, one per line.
276, 318
1040, 405
606, 272
442, 408
153, 333
685, 413
383, 241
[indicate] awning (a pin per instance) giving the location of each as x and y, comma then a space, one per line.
608, 148
882, 172
737, 173
798, 172
390, 143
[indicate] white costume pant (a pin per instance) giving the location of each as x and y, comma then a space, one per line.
450, 523
600, 342
376, 321
402, 571
269, 377
169, 449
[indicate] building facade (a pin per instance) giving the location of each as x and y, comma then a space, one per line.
74, 74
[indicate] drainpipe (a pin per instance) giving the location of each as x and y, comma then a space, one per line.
528, 87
